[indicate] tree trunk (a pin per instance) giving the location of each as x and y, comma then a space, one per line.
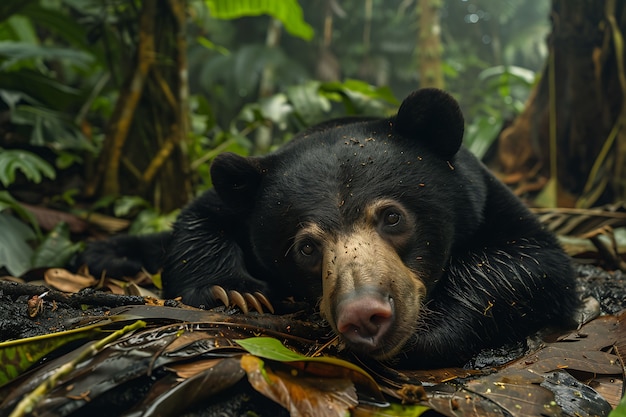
144, 151
429, 48
576, 109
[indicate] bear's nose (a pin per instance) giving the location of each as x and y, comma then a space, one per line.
364, 319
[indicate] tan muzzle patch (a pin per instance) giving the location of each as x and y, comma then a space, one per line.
370, 296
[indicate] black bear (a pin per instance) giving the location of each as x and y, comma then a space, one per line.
413, 251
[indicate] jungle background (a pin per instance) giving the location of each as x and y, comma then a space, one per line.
111, 111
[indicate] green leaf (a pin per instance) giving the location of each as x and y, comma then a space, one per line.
126, 204
22, 29
360, 98
272, 349
308, 103
38, 88
56, 249
212, 46
481, 134
66, 159
31, 165
16, 356
15, 252
51, 128
288, 12
15, 52
149, 221
7, 202
393, 410
362, 88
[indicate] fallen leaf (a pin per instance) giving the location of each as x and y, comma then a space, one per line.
64, 280
301, 395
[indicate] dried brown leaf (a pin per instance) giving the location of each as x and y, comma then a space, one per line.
577, 222
64, 280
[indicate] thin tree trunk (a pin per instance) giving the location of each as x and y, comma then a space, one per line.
263, 138
429, 48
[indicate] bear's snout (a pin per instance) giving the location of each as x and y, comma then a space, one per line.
364, 318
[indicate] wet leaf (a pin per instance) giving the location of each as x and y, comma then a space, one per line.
34, 398
190, 369
18, 355
301, 395
325, 366
170, 396
518, 396
574, 397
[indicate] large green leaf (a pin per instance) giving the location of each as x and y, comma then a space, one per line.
56, 249
34, 86
288, 12
51, 128
15, 252
31, 165
7, 202
14, 52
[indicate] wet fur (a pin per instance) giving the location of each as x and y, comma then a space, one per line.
474, 269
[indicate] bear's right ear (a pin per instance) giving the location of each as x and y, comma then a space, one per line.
433, 117
236, 179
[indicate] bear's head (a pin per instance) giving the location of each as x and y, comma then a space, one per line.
358, 216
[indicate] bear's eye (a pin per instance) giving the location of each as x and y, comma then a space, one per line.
307, 254
307, 249
391, 217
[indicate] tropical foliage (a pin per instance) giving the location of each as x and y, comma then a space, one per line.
105, 100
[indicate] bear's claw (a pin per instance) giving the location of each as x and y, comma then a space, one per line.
243, 301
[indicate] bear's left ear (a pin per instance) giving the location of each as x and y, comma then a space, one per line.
433, 117
236, 179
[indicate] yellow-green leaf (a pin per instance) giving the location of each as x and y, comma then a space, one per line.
288, 12
16, 356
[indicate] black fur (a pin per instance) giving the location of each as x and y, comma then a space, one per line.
492, 272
